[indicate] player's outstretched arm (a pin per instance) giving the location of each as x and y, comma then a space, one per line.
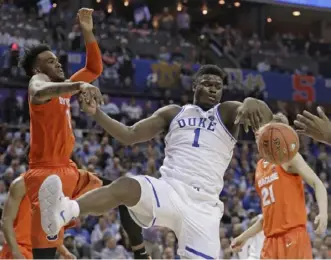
299, 166
12, 204
93, 67
41, 89
316, 127
141, 131
238, 242
252, 112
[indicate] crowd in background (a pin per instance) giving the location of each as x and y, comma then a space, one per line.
103, 237
100, 153
165, 37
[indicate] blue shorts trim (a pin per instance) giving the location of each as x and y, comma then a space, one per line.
154, 191
193, 251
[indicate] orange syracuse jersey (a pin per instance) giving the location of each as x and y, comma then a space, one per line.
52, 139
282, 198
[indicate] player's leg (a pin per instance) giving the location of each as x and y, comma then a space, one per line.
131, 228
199, 234
89, 181
141, 194
270, 248
297, 244
27, 252
44, 253
44, 246
134, 233
7, 254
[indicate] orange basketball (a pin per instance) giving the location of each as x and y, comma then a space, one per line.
277, 143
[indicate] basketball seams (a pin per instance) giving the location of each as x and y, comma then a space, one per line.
274, 150
287, 145
271, 148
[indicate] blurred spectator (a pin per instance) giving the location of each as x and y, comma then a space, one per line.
113, 251
183, 22
263, 66
11, 110
166, 20
132, 110
100, 229
75, 38
69, 243
110, 108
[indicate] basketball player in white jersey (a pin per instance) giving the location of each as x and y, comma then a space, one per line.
199, 146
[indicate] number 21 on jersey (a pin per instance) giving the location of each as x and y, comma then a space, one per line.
267, 195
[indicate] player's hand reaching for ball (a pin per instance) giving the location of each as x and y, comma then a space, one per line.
90, 93
316, 127
321, 221
85, 19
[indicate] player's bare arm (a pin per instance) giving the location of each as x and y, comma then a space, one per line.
317, 126
41, 90
12, 204
141, 131
252, 112
238, 242
299, 166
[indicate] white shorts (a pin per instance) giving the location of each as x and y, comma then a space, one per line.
193, 217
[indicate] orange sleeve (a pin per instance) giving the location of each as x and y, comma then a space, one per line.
93, 66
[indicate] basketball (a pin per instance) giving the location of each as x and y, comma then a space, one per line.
278, 143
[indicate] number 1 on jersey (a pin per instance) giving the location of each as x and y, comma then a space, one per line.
196, 137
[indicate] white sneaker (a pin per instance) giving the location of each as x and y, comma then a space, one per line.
53, 205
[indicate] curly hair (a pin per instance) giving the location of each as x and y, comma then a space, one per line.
28, 60
212, 70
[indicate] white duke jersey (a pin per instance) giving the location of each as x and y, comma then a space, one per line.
198, 149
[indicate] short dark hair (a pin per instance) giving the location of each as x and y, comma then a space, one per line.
210, 69
28, 60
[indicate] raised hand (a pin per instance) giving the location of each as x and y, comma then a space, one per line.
85, 19
316, 127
